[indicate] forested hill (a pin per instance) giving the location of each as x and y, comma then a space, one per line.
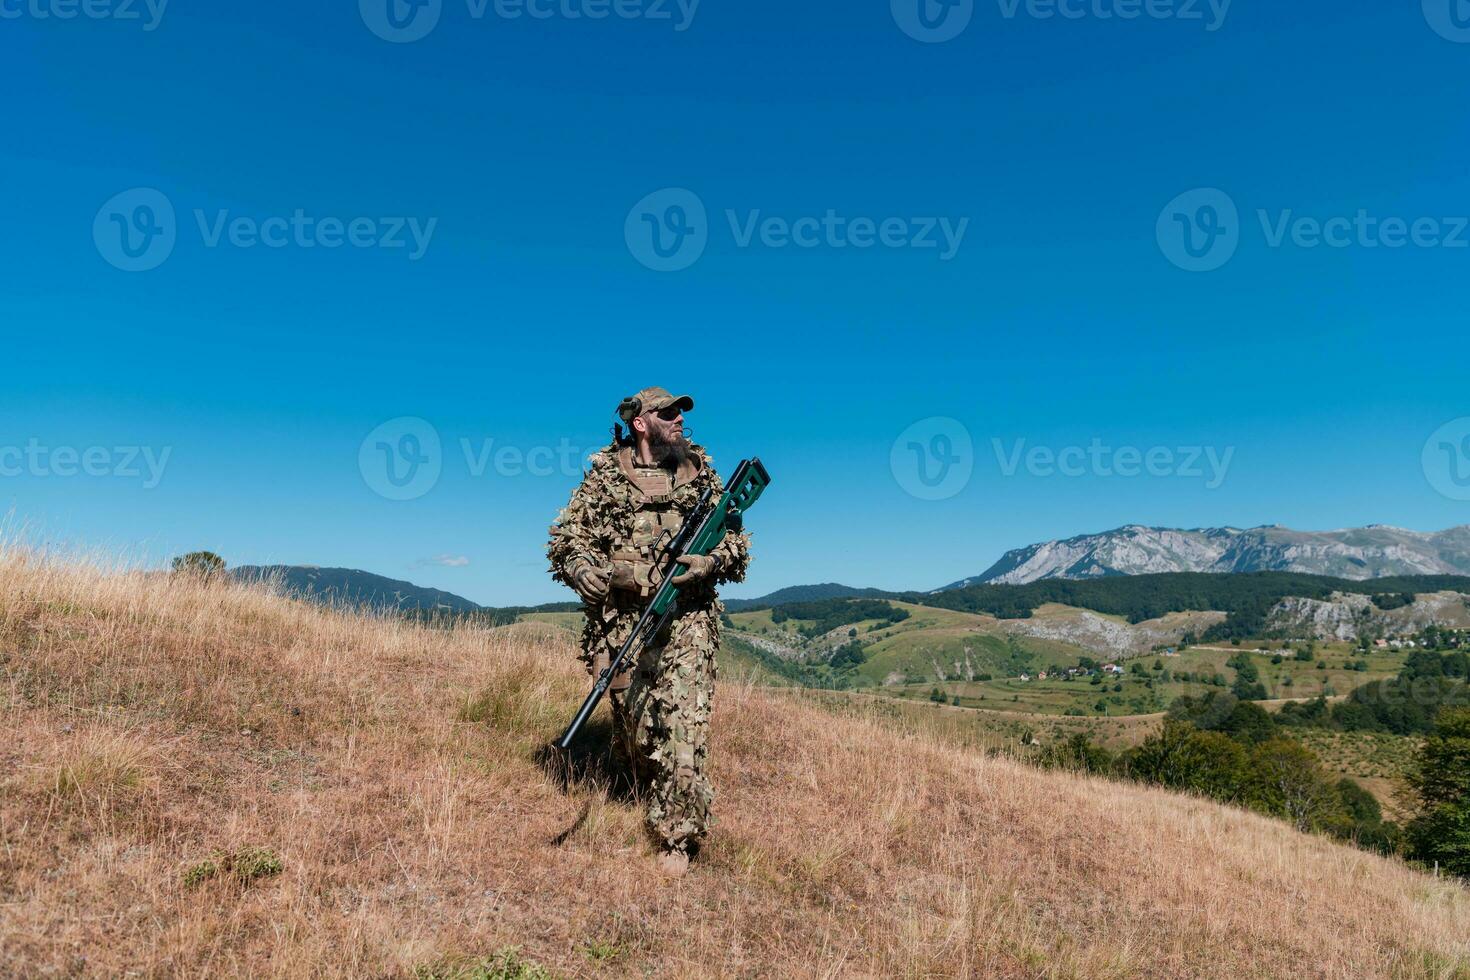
1246, 598
806, 593
353, 587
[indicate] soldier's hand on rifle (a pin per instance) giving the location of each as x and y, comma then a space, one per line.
590, 582
700, 567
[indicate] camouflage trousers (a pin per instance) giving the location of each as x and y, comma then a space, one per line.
661, 723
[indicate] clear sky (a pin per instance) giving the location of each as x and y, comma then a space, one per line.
213, 292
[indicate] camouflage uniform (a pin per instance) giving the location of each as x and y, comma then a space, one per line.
619, 519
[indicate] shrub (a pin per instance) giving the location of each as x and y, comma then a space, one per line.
1185, 758
1077, 753
246, 865
1249, 722
506, 964
1364, 824
1284, 779
1440, 782
1252, 691
204, 564
850, 655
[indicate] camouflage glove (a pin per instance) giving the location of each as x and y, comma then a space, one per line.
589, 581
700, 567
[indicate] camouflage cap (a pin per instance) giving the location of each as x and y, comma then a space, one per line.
652, 400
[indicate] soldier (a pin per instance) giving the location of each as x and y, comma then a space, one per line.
631, 502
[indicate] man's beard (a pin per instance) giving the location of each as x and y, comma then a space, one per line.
670, 454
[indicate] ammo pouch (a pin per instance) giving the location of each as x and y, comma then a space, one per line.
634, 574
621, 681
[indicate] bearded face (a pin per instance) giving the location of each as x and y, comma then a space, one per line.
666, 442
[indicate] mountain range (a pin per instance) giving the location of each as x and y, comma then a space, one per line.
1369, 552
1376, 551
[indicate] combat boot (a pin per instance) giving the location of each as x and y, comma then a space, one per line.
672, 864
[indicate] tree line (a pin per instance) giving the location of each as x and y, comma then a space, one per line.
826, 615
1406, 704
1246, 598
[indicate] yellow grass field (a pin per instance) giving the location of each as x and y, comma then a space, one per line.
208, 780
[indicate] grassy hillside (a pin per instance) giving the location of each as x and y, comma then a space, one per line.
933, 645
928, 642
1157, 681
975, 661
204, 779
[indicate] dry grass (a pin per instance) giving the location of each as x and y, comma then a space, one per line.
210, 780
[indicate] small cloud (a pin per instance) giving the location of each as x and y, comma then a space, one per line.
442, 561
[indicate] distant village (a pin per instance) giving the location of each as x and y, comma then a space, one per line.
1431, 638
1085, 669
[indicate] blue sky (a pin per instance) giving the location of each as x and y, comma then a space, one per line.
530, 151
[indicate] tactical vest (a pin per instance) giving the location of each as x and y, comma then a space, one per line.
656, 518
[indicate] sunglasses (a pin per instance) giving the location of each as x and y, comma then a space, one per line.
670, 413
